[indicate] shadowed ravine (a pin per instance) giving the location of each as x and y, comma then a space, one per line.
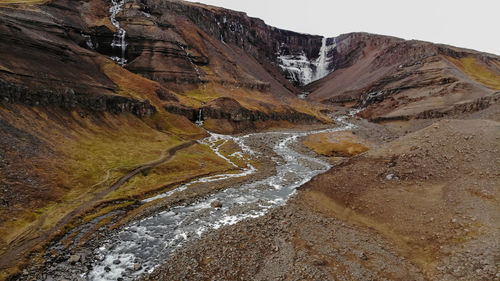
144, 245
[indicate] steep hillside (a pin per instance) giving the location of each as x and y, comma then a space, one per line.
398, 79
104, 103
74, 123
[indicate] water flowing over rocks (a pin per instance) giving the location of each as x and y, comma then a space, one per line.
119, 37
65, 62
302, 70
151, 240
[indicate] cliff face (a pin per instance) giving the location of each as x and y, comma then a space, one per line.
180, 47
180, 42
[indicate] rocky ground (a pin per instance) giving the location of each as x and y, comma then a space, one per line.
423, 206
75, 253
72, 122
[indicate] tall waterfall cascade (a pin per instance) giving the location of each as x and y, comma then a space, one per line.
119, 37
305, 71
323, 61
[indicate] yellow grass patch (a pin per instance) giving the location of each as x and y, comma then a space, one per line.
477, 71
3, 68
195, 161
91, 153
249, 99
130, 84
335, 144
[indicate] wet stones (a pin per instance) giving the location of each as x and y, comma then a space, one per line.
74, 259
137, 266
216, 204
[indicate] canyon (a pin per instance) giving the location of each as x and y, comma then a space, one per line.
172, 140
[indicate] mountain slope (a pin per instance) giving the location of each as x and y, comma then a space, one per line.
73, 121
395, 78
91, 91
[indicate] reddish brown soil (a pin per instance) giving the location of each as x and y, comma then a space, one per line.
422, 207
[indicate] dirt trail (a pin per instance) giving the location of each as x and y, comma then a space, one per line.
23, 245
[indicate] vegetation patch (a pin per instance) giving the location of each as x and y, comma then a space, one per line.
477, 71
195, 161
336, 144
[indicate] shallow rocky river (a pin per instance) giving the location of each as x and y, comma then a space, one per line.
142, 246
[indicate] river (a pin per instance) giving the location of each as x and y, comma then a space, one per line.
144, 245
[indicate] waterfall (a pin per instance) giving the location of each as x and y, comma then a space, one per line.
199, 122
322, 69
191, 60
299, 68
119, 37
323, 61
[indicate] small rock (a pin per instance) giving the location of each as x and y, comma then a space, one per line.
216, 204
391, 177
363, 256
107, 269
116, 262
74, 259
319, 262
100, 257
137, 267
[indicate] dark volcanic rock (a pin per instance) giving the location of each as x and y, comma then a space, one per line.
69, 99
231, 110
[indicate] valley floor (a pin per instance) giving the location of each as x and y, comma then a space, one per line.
423, 204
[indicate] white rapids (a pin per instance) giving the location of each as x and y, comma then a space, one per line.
149, 242
119, 37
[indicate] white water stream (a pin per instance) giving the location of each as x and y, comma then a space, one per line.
149, 242
118, 37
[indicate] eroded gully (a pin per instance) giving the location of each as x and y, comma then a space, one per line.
144, 245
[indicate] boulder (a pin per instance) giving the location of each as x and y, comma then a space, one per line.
216, 204
74, 259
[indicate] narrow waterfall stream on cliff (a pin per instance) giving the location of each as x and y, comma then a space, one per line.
323, 61
119, 37
144, 245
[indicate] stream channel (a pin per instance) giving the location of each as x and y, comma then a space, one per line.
140, 247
